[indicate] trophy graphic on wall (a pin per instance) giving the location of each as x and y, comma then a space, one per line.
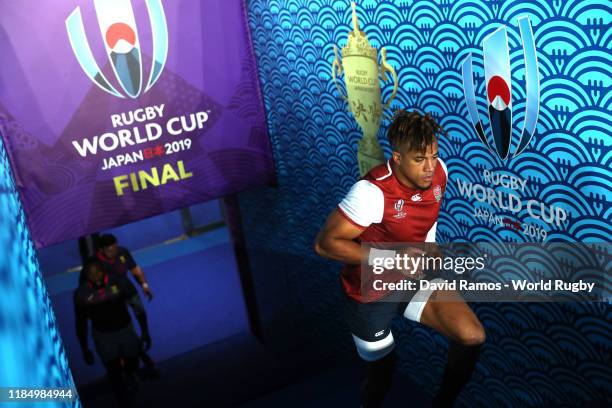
360, 66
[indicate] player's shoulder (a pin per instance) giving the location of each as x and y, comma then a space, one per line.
363, 204
442, 166
380, 174
365, 189
124, 251
441, 173
125, 256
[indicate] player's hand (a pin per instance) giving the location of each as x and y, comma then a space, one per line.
416, 254
88, 356
147, 291
145, 341
433, 250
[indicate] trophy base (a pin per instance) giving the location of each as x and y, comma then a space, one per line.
369, 155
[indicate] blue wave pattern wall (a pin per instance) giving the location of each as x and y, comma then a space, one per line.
536, 354
31, 351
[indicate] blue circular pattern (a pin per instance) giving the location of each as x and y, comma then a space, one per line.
536, 354
31, 349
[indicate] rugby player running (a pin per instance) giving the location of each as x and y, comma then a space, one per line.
399, 201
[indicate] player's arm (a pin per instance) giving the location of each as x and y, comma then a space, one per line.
81, 329
139, 275
336, 240
136, 305
133, 300
362, 206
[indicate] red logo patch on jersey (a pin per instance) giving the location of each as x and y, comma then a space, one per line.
437, 190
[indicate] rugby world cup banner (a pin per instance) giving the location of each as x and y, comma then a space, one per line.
116, 110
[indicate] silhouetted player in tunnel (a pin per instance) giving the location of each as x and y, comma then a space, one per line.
104, 298
118, 260
399, 202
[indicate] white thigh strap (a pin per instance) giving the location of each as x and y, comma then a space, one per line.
417, 304
374, 350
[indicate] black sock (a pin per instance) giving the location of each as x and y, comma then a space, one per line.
378, 381
115, 376
147, 361
460, 364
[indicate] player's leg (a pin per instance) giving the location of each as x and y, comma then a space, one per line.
369, 324
447, 313
150, 369
114, 372
452, 317
379, 372
109, 350
130, 350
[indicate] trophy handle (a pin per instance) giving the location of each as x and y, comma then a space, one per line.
386, 67
337, 66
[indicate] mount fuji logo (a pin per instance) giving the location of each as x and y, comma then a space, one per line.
120, 36
499, 92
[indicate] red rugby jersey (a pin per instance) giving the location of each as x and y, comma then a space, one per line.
388, 211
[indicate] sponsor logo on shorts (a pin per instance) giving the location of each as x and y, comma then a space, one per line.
380, 333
